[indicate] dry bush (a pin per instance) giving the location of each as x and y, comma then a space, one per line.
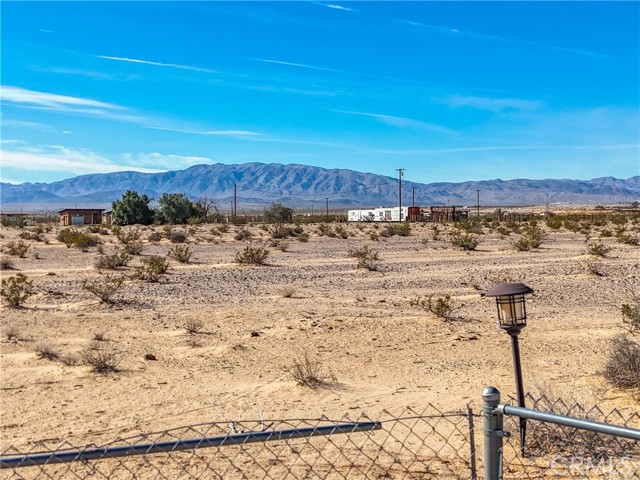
598, 249
323, 229
73, 237
131, 242
365, 257
46, 351
100, 362
193, 326
623, 364
69, 359
15, 290
242, 234
288, 291
310, 373
466, 240
12, 333
631, 317
154, 237
180, 253
532, 237
340, 232
439, 305
105, 287
303, 237
177, 237
594, 268
281, 245
18, 249
114, 261
151, 269
223, 227
99, 337
7, 263
252, 255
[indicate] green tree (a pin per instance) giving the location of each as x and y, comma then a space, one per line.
132, 209
278, 213
175, 208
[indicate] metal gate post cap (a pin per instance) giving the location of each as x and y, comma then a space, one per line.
491, 394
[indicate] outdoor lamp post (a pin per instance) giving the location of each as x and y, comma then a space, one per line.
512, 316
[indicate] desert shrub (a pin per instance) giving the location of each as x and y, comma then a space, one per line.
598, 249
252, 255
606, 233
572, 226
46, 351
504, 231
15, 290
180, 253
177, 237
12, 333
303, 237
69, 359
281, 245
623, 363
310, 373
105, 287
439, 305
193, 326
288, 291
365, 257
154, 237
18, 249
28, 235
223, 227
532, 237
554, 223
194, 221
618, 219
7, 264
464, 240
323, 229
115, 260
242, 234
623, 237
631, 317
435, 232
100, 362
131, 241
594, 268
99, 337
374, 236
151, 268
471, 226
401, 229
340, 232
72, 237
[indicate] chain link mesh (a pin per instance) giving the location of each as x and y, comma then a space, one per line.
426, 444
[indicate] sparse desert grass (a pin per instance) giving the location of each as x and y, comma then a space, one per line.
12, 333
623, 363
310, 373
193, 326
46, 351
15, 290
100, 361
598, 249
439, 305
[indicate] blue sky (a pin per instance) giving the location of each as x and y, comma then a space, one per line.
450, 91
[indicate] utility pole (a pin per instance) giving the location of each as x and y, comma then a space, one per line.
235, 199
478, 204
400, 173
327, 199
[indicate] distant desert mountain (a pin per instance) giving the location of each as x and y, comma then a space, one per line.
302, 186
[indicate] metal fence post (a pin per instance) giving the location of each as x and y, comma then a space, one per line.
492, 434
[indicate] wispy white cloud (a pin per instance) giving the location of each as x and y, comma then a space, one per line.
403, 122
75, 71
496, 38
490, 103
55, 158
338, 7
158, 64
50, 100
233, 133
22, 124
300, 65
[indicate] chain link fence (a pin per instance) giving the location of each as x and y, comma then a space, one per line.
558, 451
426, 444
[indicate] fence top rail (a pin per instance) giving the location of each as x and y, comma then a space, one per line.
42, 458
580, 423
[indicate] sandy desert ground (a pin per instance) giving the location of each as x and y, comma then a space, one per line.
360, 325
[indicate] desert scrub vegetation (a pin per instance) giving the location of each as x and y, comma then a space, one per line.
151, 268
308, 372
18, 249
598, 249
100, 362
622, 236
130, 239
105, 287
623, 363
400, 229
252, 255
464, 240
15, 290
242, 234
365, 257
154, 237
46, 351
177, 236
113, 261
631, 315
7, 263
532, 237
288, 291
440, 305
193, 326
73, 237
180, 253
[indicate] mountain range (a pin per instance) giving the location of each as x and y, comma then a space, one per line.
259, 184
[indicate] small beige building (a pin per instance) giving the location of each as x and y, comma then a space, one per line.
81, 216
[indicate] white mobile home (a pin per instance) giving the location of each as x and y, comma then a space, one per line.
381, 214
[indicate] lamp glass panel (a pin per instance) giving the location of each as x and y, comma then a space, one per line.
511, 309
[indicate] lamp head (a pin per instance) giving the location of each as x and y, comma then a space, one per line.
512, 314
